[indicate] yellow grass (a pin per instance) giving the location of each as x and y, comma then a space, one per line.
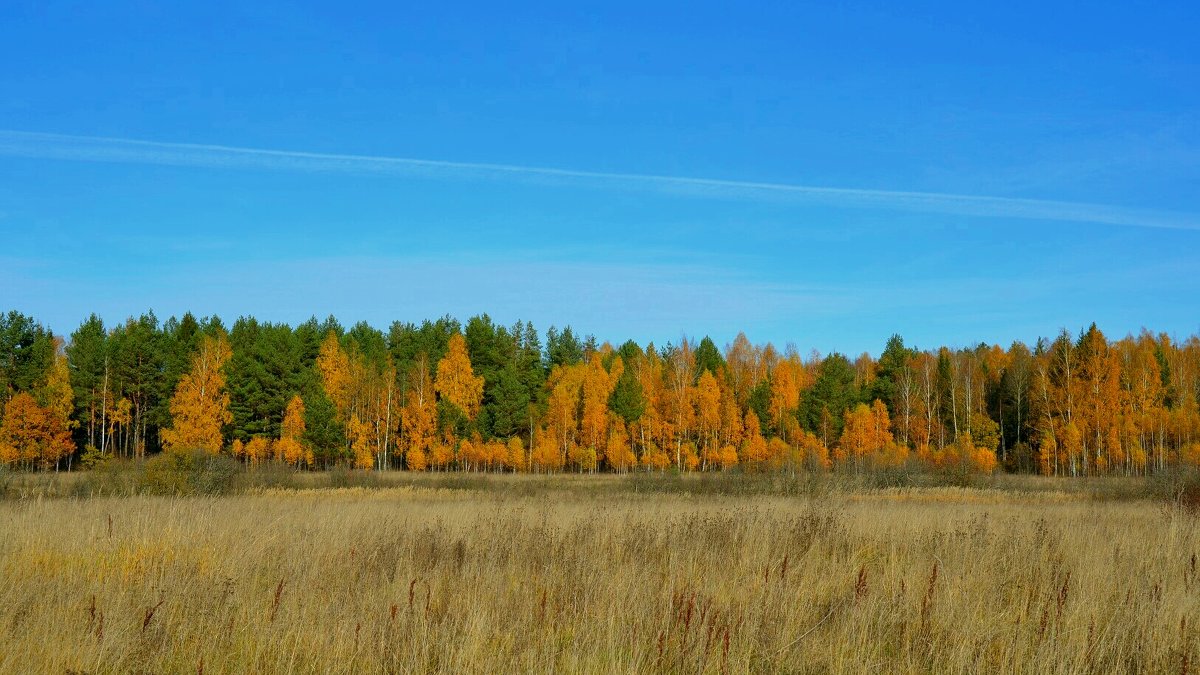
590, 576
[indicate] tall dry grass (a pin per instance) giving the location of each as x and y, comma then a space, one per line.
589, 575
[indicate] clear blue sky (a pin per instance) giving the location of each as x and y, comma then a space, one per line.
1056, 148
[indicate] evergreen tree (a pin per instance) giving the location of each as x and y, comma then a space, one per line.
87, 353
26, 351
823, 406
322, 430
627, 399
709, 358
369, 343
760, 403
891, 362
509, 405
141, 377
265, 372
562, 349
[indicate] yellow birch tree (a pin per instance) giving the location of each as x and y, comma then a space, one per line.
200, 406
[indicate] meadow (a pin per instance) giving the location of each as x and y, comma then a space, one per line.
497, 574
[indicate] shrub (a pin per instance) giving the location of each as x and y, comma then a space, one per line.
194, 472
343, 477
269, 475
110, 478
904, 474
92, 458
1180, 487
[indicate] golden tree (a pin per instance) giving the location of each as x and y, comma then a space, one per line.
360, 443
726, 457
496, 454
858, 434
780, 453
886, 452
654, 457
418, 417
200, 406
293, 419
415, 459
743, 359
562, 412
469, 454
120, 417
1146, 395
516, 459
620, 456
290, 451
545, 454
59, 396
815, 454
754, 447
32, 434
456, 382
291, 448
680, 391
867, 437
257, 450
1072, 447
786, 383
1101, 397
597, 385
649, 430
441, 454
732, 426
334, 365
708, 413
21, 433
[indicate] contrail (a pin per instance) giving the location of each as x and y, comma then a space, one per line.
126, 150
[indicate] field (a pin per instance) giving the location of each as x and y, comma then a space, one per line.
601, 574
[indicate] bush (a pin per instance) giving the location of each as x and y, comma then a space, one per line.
731, 483
905, 475
110, 478
266, 476
92, 458
467, 482
1180, 487
342, 477
194, 472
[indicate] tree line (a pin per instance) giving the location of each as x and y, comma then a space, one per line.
441, 395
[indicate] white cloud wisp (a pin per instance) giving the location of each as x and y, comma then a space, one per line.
123, 150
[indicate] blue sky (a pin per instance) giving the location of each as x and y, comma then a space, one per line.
945, 171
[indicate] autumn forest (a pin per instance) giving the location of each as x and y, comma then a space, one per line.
484, 397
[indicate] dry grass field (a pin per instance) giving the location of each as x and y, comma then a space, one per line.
598, 574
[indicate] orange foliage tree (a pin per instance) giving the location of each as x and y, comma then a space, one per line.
867, 438
754, 448
618, 451
360, 443
334, 366
516, 459
596, 386
708, 417
31, 434
456, 382
291, 447
200, 406
258, 449
419, 416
